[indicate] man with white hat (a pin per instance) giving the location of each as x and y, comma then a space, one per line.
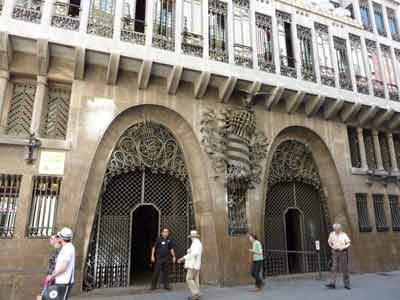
64, 271
192, 265
340, 243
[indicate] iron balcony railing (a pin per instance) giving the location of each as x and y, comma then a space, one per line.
29, 11
288, 66
163, 37
395, 36
66, 16
243, 55
192, 44
379, 90
345, 80
362, 84
101, 23
327, 76
133, 31
266, 61
307, 73
393, 91
218, 50
368, 27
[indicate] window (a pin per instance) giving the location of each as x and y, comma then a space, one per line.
306, 53
45, 197
365, 16
385, 152
242, 33
389, 72
380, 215
101, 19
237, 195
358, 64
354, 147
9, 194
218, 42
396, 142
362, 212
324, 55
57, 112
373, 61
134, 21
380, 27
265, 54
192, 17
21, 107
369, 149
164, 25
343, 63
288, 63
395, 212
392, 20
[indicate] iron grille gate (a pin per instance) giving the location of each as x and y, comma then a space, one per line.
294, 184
109, 254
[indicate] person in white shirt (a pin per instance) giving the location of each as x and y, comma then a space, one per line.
64, 272
192, 265
339, 243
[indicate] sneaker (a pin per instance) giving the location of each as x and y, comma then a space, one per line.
347, 287
167, 288
330, 286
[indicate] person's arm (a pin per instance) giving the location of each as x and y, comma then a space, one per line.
153, 250
330, 242
173, 255
347, 243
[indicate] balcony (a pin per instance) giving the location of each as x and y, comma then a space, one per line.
288, 66
362, 84
218, 51
66, 16
192, 44
395, 36
101, 23
266, 61
29, 11
133, 31
393, 91
163, 37
345, 81
379, 90
327, 76
368, 27
243, 55
307, 73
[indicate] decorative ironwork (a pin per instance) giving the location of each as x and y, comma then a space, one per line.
320, 28
306, 52
133, 31
45, 198
243, 55
30, 11
56, 121
395, 212
354, 147
327, 75
369, 149
218, 45
393, 91
237, 201
364, 224
21, 108
192, 44
293, 184
396, 142
288, 66
164, 25
283, 16
343, 63
66, 16
9, 195
241, 3
146, 168
380, 215
379, 90
362, 84
264, 43
101, 23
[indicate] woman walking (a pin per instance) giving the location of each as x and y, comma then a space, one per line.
53, 253
257, 260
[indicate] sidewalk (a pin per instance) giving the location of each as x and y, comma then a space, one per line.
382, 286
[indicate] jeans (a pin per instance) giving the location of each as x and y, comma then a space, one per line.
256, 270
162, 265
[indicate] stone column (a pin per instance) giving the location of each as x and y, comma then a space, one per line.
275, 42
377, 149
39, 105
361, 146
4, 77
179, 25
84, 16
47, 13
8, 8
231, 33
351, 65
392, 151
296, 47
253, 35
317, 69
119, 7
366, 65
333, 59
357, 13
150, 12
205, 18
382, 70
372, 17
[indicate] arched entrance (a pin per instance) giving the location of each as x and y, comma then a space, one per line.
145, 187
295, 212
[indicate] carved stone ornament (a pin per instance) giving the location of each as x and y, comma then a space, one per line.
234, 144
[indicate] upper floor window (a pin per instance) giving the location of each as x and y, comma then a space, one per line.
389, 72
133, 21
324, 55
164, 25
288, 63
242, 33
101, 19
192, 39
264, 43
365, 15
343, 63
380, 27
354, 147
358, 64
306, 53
373, 62
392, 20
9, 194
217, 23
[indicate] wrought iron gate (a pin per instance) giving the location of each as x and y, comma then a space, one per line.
294, 183
146, 167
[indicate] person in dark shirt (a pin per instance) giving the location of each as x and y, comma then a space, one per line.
161, 254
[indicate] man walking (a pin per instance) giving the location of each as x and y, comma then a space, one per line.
161, 255
64, 271
340, 243
192, 265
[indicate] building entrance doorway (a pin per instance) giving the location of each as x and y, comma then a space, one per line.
294, 243
144, 232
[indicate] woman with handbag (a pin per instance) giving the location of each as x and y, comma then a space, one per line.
53, 253
256, 251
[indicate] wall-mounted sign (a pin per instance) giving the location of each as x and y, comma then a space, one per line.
317, 245
52, 162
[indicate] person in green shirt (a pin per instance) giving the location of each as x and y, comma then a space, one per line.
257, 261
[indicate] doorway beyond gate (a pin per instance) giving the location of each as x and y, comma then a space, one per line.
294, 242
145, 228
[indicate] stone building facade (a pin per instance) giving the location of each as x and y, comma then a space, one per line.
276, 117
